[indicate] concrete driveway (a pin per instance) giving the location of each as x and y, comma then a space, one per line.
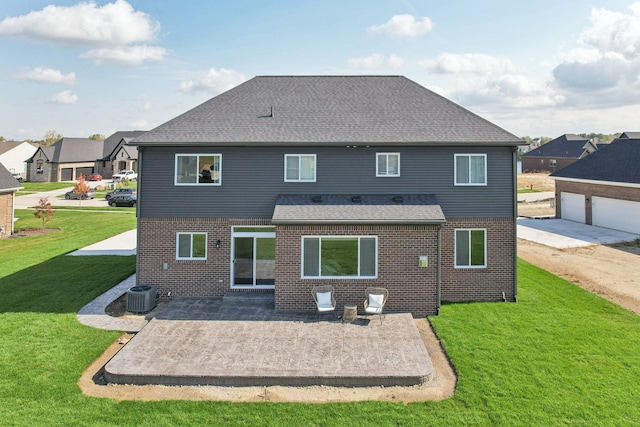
562, 234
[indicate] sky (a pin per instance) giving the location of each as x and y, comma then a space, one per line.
534, 68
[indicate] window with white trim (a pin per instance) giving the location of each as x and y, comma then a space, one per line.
340, 257
198, 169
299, 167
471, 248
191, 246
387, 164
552, 163
470, 169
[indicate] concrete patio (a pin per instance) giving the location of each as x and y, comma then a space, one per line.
239, 340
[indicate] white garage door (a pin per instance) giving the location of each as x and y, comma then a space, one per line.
617, 214
572, 207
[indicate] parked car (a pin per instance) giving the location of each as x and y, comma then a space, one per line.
17, 176
125, 200
88, 195
125, 176
121, 192
93, 177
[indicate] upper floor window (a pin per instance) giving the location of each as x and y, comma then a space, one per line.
191, 246
198, 169
300, 168
39, 166
471, 248
388, 164
335, 257
552, 163
470, 169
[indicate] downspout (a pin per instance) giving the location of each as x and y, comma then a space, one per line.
438, 284
515, 223
140, 150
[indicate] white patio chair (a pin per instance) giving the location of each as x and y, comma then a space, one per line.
375, 300
324, 296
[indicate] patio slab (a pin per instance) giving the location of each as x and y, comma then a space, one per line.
240, 340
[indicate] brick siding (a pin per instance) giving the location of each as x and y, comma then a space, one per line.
590, 190
411, 287
6, 214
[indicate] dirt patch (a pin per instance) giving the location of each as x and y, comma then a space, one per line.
537, 209
612, 272
441, 387
535, 181
25, 232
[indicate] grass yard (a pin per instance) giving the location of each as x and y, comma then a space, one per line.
559, 356
36, 187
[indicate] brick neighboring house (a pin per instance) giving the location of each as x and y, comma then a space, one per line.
65, 160
603, 189
282, 183
8, 186
557, 153
117, 155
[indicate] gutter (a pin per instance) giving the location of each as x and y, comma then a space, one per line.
438, 279
515, 225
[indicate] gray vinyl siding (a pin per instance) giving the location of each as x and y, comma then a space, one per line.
252, 178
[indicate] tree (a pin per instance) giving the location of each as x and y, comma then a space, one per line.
51, 136
81, 187
44, 210
97, 137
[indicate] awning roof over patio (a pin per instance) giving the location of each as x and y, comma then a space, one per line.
358, 209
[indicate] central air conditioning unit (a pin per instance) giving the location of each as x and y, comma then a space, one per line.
141, 299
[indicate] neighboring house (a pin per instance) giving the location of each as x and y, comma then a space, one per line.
117, 155
283, 183
14, 155
603, 189
557, 153
8, 186
65, 160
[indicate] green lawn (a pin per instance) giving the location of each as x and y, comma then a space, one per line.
560, 356
527, 190
36, 187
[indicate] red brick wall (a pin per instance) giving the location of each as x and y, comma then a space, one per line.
157, 245
411, 288
590, 190
480, 284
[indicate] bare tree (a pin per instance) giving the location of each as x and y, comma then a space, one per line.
51, 136
44, 211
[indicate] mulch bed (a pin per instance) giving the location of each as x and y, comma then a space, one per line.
25, 232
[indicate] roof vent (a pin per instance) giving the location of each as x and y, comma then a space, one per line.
316, 199
397, 199
356, 199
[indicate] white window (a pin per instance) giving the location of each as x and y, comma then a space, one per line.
470, 169
387, 164
191, 246
300, 168
471, 248
552, 163
340, 257
198, 169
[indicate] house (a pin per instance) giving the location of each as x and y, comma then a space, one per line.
557, 153
65, 160
117, 155
283, 183
8, 186
14, 154
603, 189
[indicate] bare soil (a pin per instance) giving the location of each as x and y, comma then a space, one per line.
535, 181
25, 232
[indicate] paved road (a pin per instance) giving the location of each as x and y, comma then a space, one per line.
31, 200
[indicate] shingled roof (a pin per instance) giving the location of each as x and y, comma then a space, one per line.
328, 110
615, 162
111, 142
69, 150
567, 146
7, 181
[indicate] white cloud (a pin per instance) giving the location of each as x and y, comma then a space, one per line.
614, 31
116, 31
147, 106
127, 55
140, 124
213, 82
64, 97
48, 75
404, 25
376, 60
475, 63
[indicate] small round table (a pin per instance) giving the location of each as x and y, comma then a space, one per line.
350, 313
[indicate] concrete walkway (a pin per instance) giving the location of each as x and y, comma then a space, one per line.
93, 314
124, 244
563, 234
535, 197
